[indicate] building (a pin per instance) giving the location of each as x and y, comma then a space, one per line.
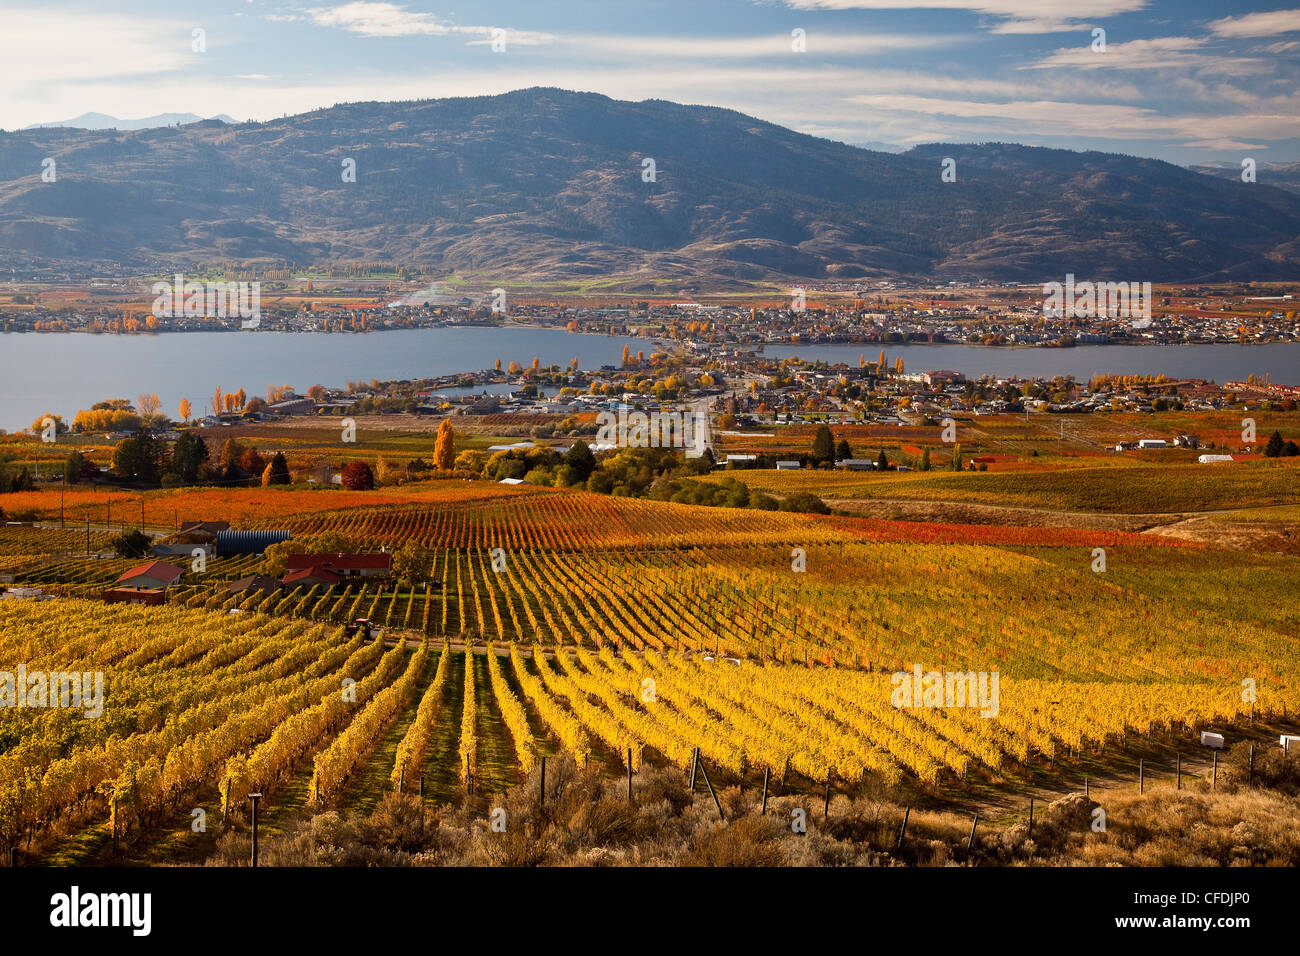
248, 542
155, 575
943, 377
134, 596
788, 466
856, 464
1153, 443
343, 565
310, 577
254, 582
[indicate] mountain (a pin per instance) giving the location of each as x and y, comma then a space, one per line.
544, 184
104, 121
1282, 175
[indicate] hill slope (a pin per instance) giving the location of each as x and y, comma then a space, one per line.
542, 183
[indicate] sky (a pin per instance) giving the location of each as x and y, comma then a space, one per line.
1183, 80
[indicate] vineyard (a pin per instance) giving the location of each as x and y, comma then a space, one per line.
636, 656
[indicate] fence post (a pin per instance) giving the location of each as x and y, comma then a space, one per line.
1086, 791
695, 762
1141, 778
1251, 773
902, 831
1031, 818
629, 774
970, 840
255, 797
826, 809
709, 783
541, 790
1214, 772
766, 771
1179, 785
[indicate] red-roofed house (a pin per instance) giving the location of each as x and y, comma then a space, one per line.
344, 565
156, 574
311, 577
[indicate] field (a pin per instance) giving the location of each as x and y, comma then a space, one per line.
623, 634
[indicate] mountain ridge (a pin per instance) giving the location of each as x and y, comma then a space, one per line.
544, 185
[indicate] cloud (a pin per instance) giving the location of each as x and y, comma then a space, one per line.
385, 20
1258, 24
1157, 53
1018, 16
740, 47
1222, 145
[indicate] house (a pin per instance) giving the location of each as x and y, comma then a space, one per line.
788, 466
511, 481
134, 596
309, 577
1213, 459
1153, 443
344, 565
199, 531
156, 574
254, 582
740, 461
856, 464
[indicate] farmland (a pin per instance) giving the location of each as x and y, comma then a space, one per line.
622, 634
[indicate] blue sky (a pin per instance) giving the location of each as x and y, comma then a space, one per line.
1188, 81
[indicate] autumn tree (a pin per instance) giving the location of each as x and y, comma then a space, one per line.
357, 476
444, 449
148, 405
183, 409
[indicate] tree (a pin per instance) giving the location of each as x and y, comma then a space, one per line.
183, 409
316, 393
138, 458
279, 469
132, 544
148, 405
267, 474
218, 401
823, 446
22, 481
412, 563
444, 449
78, 468
925, 460
842, 450
231, 452
188, 455
357, 476
956, 456
251, 462
882, 463
1290, 449
1274, 447
581, 460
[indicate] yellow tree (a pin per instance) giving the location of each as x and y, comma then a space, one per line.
218, 402
444, 449
183, 409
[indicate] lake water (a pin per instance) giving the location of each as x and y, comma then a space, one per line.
63, 373
1222, 363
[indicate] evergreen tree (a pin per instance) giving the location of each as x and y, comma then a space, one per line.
823, 446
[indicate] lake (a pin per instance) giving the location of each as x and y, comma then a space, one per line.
66, 372
1222, 363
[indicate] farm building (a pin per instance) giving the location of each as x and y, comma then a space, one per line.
254, 582
1153, 443
343, 565
156, 574
134, 596
248, 542
788, 466
856, 464
311, 576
